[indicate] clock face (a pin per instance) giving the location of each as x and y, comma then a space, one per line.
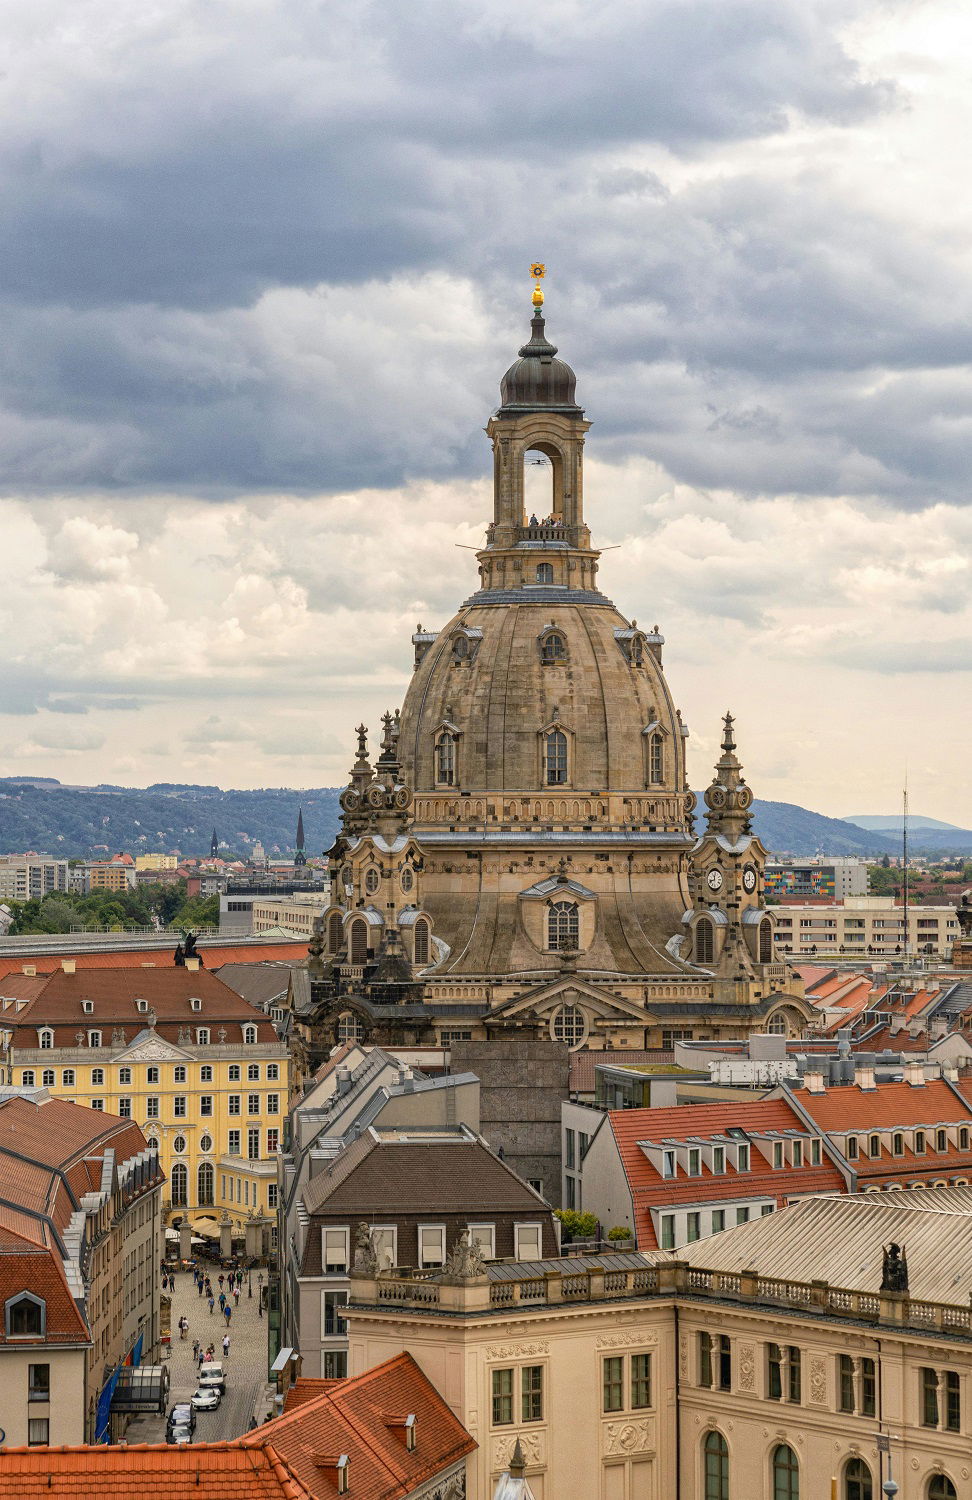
749, 880
714, 880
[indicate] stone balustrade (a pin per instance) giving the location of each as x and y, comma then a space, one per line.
545, 1287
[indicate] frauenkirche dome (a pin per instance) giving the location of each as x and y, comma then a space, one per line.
522, 856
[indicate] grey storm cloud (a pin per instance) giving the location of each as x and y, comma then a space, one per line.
169, 197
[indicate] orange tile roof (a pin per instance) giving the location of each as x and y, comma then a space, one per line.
650, 1190
204, 1471
113, 992
889, 1106
355, 1417
42, 1272
213, 955
305, 1389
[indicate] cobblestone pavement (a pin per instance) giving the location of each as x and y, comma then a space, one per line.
246, 1365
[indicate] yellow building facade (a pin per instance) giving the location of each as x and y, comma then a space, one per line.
197, 1068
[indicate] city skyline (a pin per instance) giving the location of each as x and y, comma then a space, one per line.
245, 382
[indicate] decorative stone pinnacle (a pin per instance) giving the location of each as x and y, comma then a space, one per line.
517, 1461
728, 743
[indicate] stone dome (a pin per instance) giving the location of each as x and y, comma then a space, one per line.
538, 380
502, 674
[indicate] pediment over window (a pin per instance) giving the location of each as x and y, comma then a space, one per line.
557, 886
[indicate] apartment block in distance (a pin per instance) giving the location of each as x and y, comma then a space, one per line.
25, 877
865, 926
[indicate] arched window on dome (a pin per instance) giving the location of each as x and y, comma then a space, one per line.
206, 1181
656, 759
776, 1025
421, 941
563, 926
704, 941
335, 932
553, 648
555, 758
766, 941
637, 650
445, 758
179, 1184
940, 1487
359, 941
545, 573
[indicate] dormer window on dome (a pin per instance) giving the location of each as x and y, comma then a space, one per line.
446, 755
465, 644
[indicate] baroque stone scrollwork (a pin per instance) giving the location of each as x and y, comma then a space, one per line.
465, 1260
628, 1437
625, 1340
818, 1381
532, 1444
514, 1351
747, 1367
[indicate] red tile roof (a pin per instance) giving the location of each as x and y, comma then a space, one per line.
204, 1471
359, 1417
31, 1269
649, 1190
113, 992
213, 955
888, 1106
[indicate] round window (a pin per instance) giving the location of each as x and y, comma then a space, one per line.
371, 882
179, 1144
347, 875
407, 879
206, 1144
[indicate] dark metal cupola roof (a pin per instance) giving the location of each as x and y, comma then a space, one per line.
538, 380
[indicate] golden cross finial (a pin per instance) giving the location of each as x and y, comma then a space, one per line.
538, 271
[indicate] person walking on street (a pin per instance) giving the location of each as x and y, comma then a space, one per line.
226, 1345
221, 1279
195, 1350
236, 1296
222, 1301
211, 1306
227, 1314
200, 1285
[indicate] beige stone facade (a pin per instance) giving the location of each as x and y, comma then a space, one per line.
667, 1382
522, 855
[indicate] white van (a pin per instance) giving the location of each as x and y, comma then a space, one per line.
211, 1373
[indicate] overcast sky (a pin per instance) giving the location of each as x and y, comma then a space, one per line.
263, 262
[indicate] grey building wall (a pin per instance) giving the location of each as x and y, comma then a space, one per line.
522, 1086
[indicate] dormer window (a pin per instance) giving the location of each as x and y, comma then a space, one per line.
94, 1038
25, 1316
88, 1007
545, 572
343, 1474
46, 1038
249, 1035
195, 1004
141, 1005
656, 759
555, 758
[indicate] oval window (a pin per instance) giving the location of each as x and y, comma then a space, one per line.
179, 1144
371, 882
206, 1144
407, 879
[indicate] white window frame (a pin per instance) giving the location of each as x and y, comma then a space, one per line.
437, 1259
45, 1038
485, 1236
518, 1231
379, 1233
334, 1267
249, 1036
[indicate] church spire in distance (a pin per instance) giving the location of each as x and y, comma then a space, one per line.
300, 858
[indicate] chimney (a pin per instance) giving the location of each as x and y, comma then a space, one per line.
813, 1082
950, 1071
68, 965
343, 1079
30, 970
915, 1075
192, 963
865, 1079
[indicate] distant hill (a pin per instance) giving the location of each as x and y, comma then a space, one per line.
79, 822
786, 828
891, 822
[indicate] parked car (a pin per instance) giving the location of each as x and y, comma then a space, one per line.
179, 1434
207, 1398
211, 1373
182, 1415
